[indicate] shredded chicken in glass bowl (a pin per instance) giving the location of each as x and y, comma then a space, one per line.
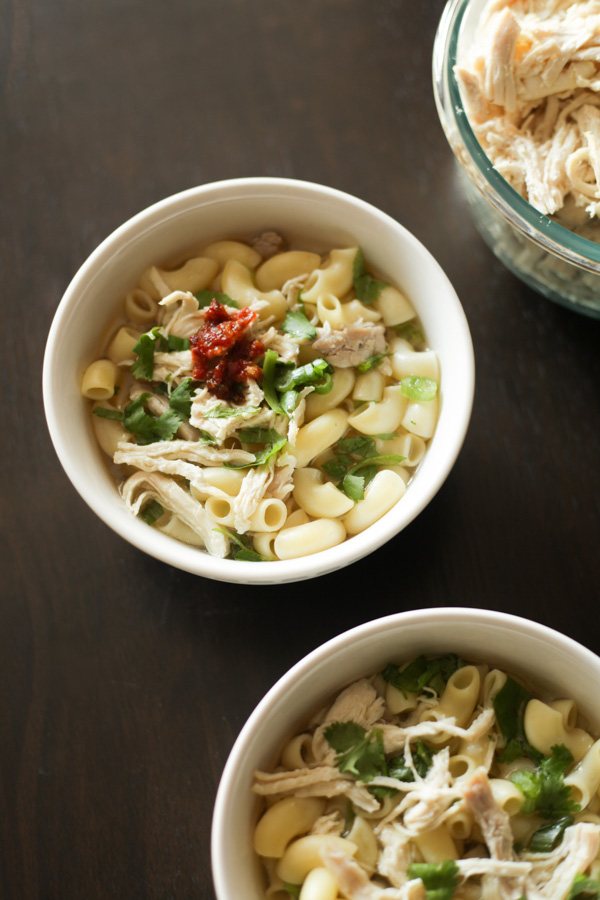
517, 87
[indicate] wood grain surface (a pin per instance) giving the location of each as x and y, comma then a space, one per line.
124, 682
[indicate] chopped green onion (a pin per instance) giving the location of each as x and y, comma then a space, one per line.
416, 388
152, 512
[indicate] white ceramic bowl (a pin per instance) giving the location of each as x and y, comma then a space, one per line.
534, 651
244, 207
556, 262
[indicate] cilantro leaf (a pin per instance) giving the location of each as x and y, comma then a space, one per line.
509, 706
584, 887
440, 881
243, 548
205, 298
174, 343
544, 789
231, 412
148, 343
262, 456
353, 486
549, 836
423, 672
180, 400
297, 324
371, 362
422, 757
259, 435
292, 889
148, 429
410, 333
143, 367
358, 752
207, 437
367, 289
103, 413
352, 455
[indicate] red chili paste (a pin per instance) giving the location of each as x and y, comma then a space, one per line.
223, 358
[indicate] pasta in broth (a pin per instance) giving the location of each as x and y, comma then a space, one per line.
435, 779
262, 402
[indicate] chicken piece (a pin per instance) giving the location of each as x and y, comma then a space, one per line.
142, 487
576, 852
499, 82
531, 66
491, 818
354, 882
494, 824
351, 345
268, 244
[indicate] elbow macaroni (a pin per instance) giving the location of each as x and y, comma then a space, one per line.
463, 804
159, 385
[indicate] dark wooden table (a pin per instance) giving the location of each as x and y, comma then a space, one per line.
123, 682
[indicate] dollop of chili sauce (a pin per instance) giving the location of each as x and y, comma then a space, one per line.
223, 357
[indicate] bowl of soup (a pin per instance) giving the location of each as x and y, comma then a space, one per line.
259, 380
451, 749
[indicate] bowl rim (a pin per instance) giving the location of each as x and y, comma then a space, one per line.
354, 637
544, 231
194, 560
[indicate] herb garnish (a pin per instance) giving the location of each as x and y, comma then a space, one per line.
397, 768
440, 881
148, 343
423, 672
410, 333
544, 790
371, 362
366, 288
272, 440
205, 298
417, 388
296, 323
282, 381
152, 512
584, 887
146, 428
549, 836
242, 546
509, 706
356, 454
358, 752
231, 412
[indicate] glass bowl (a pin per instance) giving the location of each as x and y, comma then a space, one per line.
556, 262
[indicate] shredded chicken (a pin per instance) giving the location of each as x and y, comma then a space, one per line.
578, 849
488, 865
141, 487
530, 88
350, 345
355, 884
494, 824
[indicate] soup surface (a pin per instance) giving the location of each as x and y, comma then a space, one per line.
261, 402
433, 780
